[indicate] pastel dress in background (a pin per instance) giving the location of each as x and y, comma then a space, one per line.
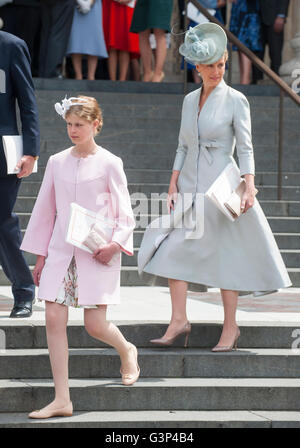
116, 24
241, 255
87, 35
97, 183
149, 14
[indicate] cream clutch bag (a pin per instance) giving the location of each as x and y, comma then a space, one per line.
233, 204
96, 239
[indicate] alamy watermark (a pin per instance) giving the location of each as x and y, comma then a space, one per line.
296, 84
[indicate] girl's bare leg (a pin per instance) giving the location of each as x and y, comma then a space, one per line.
99, 328
56, 327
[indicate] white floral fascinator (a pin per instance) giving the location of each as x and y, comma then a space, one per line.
64, 106
204, 43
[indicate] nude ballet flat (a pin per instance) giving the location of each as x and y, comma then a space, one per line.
67, 411
165, 342
228, 348
128, 378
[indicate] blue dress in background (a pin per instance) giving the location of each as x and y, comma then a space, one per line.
87, 33
245, 24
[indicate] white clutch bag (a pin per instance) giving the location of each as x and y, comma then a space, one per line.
96, 239
227, 190
233, 203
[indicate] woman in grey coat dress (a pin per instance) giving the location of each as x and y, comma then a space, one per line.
239, 257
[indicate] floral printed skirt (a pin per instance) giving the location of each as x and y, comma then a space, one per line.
68, 291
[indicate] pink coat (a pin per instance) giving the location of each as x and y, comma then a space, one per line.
82, 180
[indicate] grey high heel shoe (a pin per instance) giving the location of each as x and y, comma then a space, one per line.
165, 342
228, 348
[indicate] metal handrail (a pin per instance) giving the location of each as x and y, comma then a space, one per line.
284, 87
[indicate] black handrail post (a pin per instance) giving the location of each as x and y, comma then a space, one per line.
280, 147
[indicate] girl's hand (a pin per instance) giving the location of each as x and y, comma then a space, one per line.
172, 197
105, 253
37, 271
248, 199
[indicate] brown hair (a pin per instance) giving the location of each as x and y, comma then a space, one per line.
89, 111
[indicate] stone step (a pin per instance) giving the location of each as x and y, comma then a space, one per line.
108, 394
133, 150
158, 419
30, 188
167, 363
24, 204
255, 336
151, 121
163, 176
288, 224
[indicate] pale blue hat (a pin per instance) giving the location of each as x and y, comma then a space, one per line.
204, 43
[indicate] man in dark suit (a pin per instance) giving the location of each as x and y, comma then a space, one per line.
16, 84
273, 16
56, 19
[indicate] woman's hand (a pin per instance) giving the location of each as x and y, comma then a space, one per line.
248, 199
105, 253
172, 196
37, 271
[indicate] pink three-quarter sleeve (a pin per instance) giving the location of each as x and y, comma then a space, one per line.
125, 223
40, 227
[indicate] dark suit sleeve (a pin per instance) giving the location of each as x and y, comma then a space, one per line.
282, 7
24, 92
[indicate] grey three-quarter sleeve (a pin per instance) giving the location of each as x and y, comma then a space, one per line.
242, 128
182, 146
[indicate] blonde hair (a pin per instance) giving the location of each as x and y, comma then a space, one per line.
89, 111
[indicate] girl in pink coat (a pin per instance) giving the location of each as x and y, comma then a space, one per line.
93, 178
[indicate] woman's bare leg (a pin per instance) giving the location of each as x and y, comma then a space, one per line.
77, 64
146, 54
124, 60
160, 53
92, 67
230, 300
245, 68
178, 292
99, 328
112, 64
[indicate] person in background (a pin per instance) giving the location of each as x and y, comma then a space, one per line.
56, 23
273, 17
122, 46
12, 13
87, 38
149, 15
16, 86
245, 24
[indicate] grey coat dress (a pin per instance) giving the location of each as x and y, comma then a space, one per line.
241, 255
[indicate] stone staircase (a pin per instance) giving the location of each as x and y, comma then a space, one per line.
141, 125
256, 386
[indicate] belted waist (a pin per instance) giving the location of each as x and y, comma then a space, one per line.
203, 145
